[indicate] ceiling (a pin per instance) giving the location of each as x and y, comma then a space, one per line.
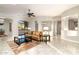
38, 9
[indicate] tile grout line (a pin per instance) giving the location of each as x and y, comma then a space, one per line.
71, 41
49, 44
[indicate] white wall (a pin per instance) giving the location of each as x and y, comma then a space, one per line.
66, 33
6, 26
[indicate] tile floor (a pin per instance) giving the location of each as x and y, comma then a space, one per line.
42, 49
55, 47
65, 47
4, 48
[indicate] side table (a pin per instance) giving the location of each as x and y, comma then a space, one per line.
47, 38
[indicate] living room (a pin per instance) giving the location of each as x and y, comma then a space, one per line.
32, 26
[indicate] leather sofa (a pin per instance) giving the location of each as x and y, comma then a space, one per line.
36, 35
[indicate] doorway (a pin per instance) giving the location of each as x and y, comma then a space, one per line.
36, 26
57, 28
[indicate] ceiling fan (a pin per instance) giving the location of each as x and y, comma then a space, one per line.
30, 14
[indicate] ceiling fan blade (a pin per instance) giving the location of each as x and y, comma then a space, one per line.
30, 14
33, 15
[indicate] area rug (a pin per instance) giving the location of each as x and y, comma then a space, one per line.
23, 47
